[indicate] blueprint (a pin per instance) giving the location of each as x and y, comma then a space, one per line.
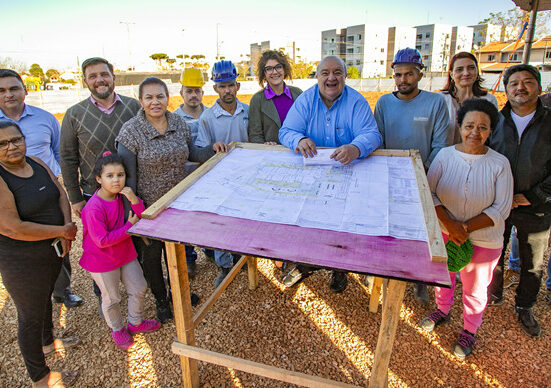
374, 196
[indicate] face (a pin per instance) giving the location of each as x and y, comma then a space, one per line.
331, 79
154, 100
113, 178
464, 72
406, 78
99, 81
227, 91
12, 146
192, 96
274, 73
475, 129
522, 89
12, 94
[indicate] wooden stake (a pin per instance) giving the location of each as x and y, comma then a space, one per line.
253, 272
181, 302
389, 322
375, 294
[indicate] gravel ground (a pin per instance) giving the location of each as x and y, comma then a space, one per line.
306, 328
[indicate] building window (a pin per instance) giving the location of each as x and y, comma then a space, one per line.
359, 36
425, 57
514, 58
427, 46
418, 47
427, 35
382, 62
382, 50
350, 51
332, 52
548, 55
358, 61
350, 38
419, 36
332, 40
491, 57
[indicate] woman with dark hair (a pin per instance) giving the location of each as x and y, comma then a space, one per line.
35, 233
463, 83
472, 189
155, 146
269, 106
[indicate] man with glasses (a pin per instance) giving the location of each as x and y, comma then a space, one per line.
41, 130
329, 114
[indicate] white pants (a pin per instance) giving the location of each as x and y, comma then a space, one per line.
132, 277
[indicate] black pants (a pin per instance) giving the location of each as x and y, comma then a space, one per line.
29, 272
151, 261
532, 234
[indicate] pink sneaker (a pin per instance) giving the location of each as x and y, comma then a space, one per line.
122, 338
146, 325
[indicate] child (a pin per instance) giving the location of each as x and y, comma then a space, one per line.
109, 254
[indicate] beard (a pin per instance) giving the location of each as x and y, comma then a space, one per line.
104, 95
228, 98
406, 90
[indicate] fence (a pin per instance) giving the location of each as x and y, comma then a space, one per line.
57, 101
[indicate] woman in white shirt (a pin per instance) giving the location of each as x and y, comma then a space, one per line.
463, 83
472, 189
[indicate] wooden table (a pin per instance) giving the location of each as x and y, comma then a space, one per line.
395, 260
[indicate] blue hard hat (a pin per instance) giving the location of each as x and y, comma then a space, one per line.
408, 55
224, 71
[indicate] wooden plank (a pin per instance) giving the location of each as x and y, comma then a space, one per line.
258, 146
376, 255
181, 301
252, 272
256, 368
163, 202
207, 305
434, 233
389, 322
389, 152
375, 294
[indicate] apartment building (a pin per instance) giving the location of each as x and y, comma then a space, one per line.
289, 48
484, 34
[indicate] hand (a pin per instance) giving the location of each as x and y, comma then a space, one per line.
129, 194
346, 153
69, 231
306, 147
270, 143
133, 218
220, 147
520, 200
66, 244
457, 231
77, 207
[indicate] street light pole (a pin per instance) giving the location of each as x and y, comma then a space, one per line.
129, 48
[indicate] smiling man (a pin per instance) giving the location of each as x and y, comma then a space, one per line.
410, 118
329, 114
523, 136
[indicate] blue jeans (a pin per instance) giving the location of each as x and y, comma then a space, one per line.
223, 259
514, 259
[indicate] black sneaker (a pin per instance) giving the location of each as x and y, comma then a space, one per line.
164, 314
528, 321
465, 345
338, 281
194, 298
433, 320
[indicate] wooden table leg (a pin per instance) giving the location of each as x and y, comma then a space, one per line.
253, 272
181, 302
375, 294
391, 315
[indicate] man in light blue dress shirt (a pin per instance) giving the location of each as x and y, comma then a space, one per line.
329, 114
42, 133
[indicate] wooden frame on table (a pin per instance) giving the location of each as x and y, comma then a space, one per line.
393, 286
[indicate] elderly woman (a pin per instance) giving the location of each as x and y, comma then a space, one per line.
463, 83
35, 213
472, 188
155, 146
269, 106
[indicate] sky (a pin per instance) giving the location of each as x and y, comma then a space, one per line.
62, 33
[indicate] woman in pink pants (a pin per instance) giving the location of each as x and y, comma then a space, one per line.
472, 189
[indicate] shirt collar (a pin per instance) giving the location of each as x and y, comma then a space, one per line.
219, 111
337, 100
150, 130
27, 111
269, 93
186, 115
101, 107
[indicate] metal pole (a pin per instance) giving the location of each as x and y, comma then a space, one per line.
530, 33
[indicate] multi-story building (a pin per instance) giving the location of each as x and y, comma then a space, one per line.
484, 34
462, 39
289, 48
368, 48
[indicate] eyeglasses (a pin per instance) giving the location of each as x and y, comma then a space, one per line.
16, 141
269, 69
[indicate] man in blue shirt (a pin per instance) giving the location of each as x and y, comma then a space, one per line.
42, 132
329, 114
413, 118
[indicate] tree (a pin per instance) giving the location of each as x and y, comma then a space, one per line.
10, 63
52, 73
36, 71
515, 18
302, 69
171, 62
353, 72
243, 70
159, 57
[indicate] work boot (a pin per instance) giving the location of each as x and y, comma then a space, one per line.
510, 278
164, 313
338, 282
528, 321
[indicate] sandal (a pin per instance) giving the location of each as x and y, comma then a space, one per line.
56, 380
60, 345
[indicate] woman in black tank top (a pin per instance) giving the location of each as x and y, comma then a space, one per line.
35, 212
